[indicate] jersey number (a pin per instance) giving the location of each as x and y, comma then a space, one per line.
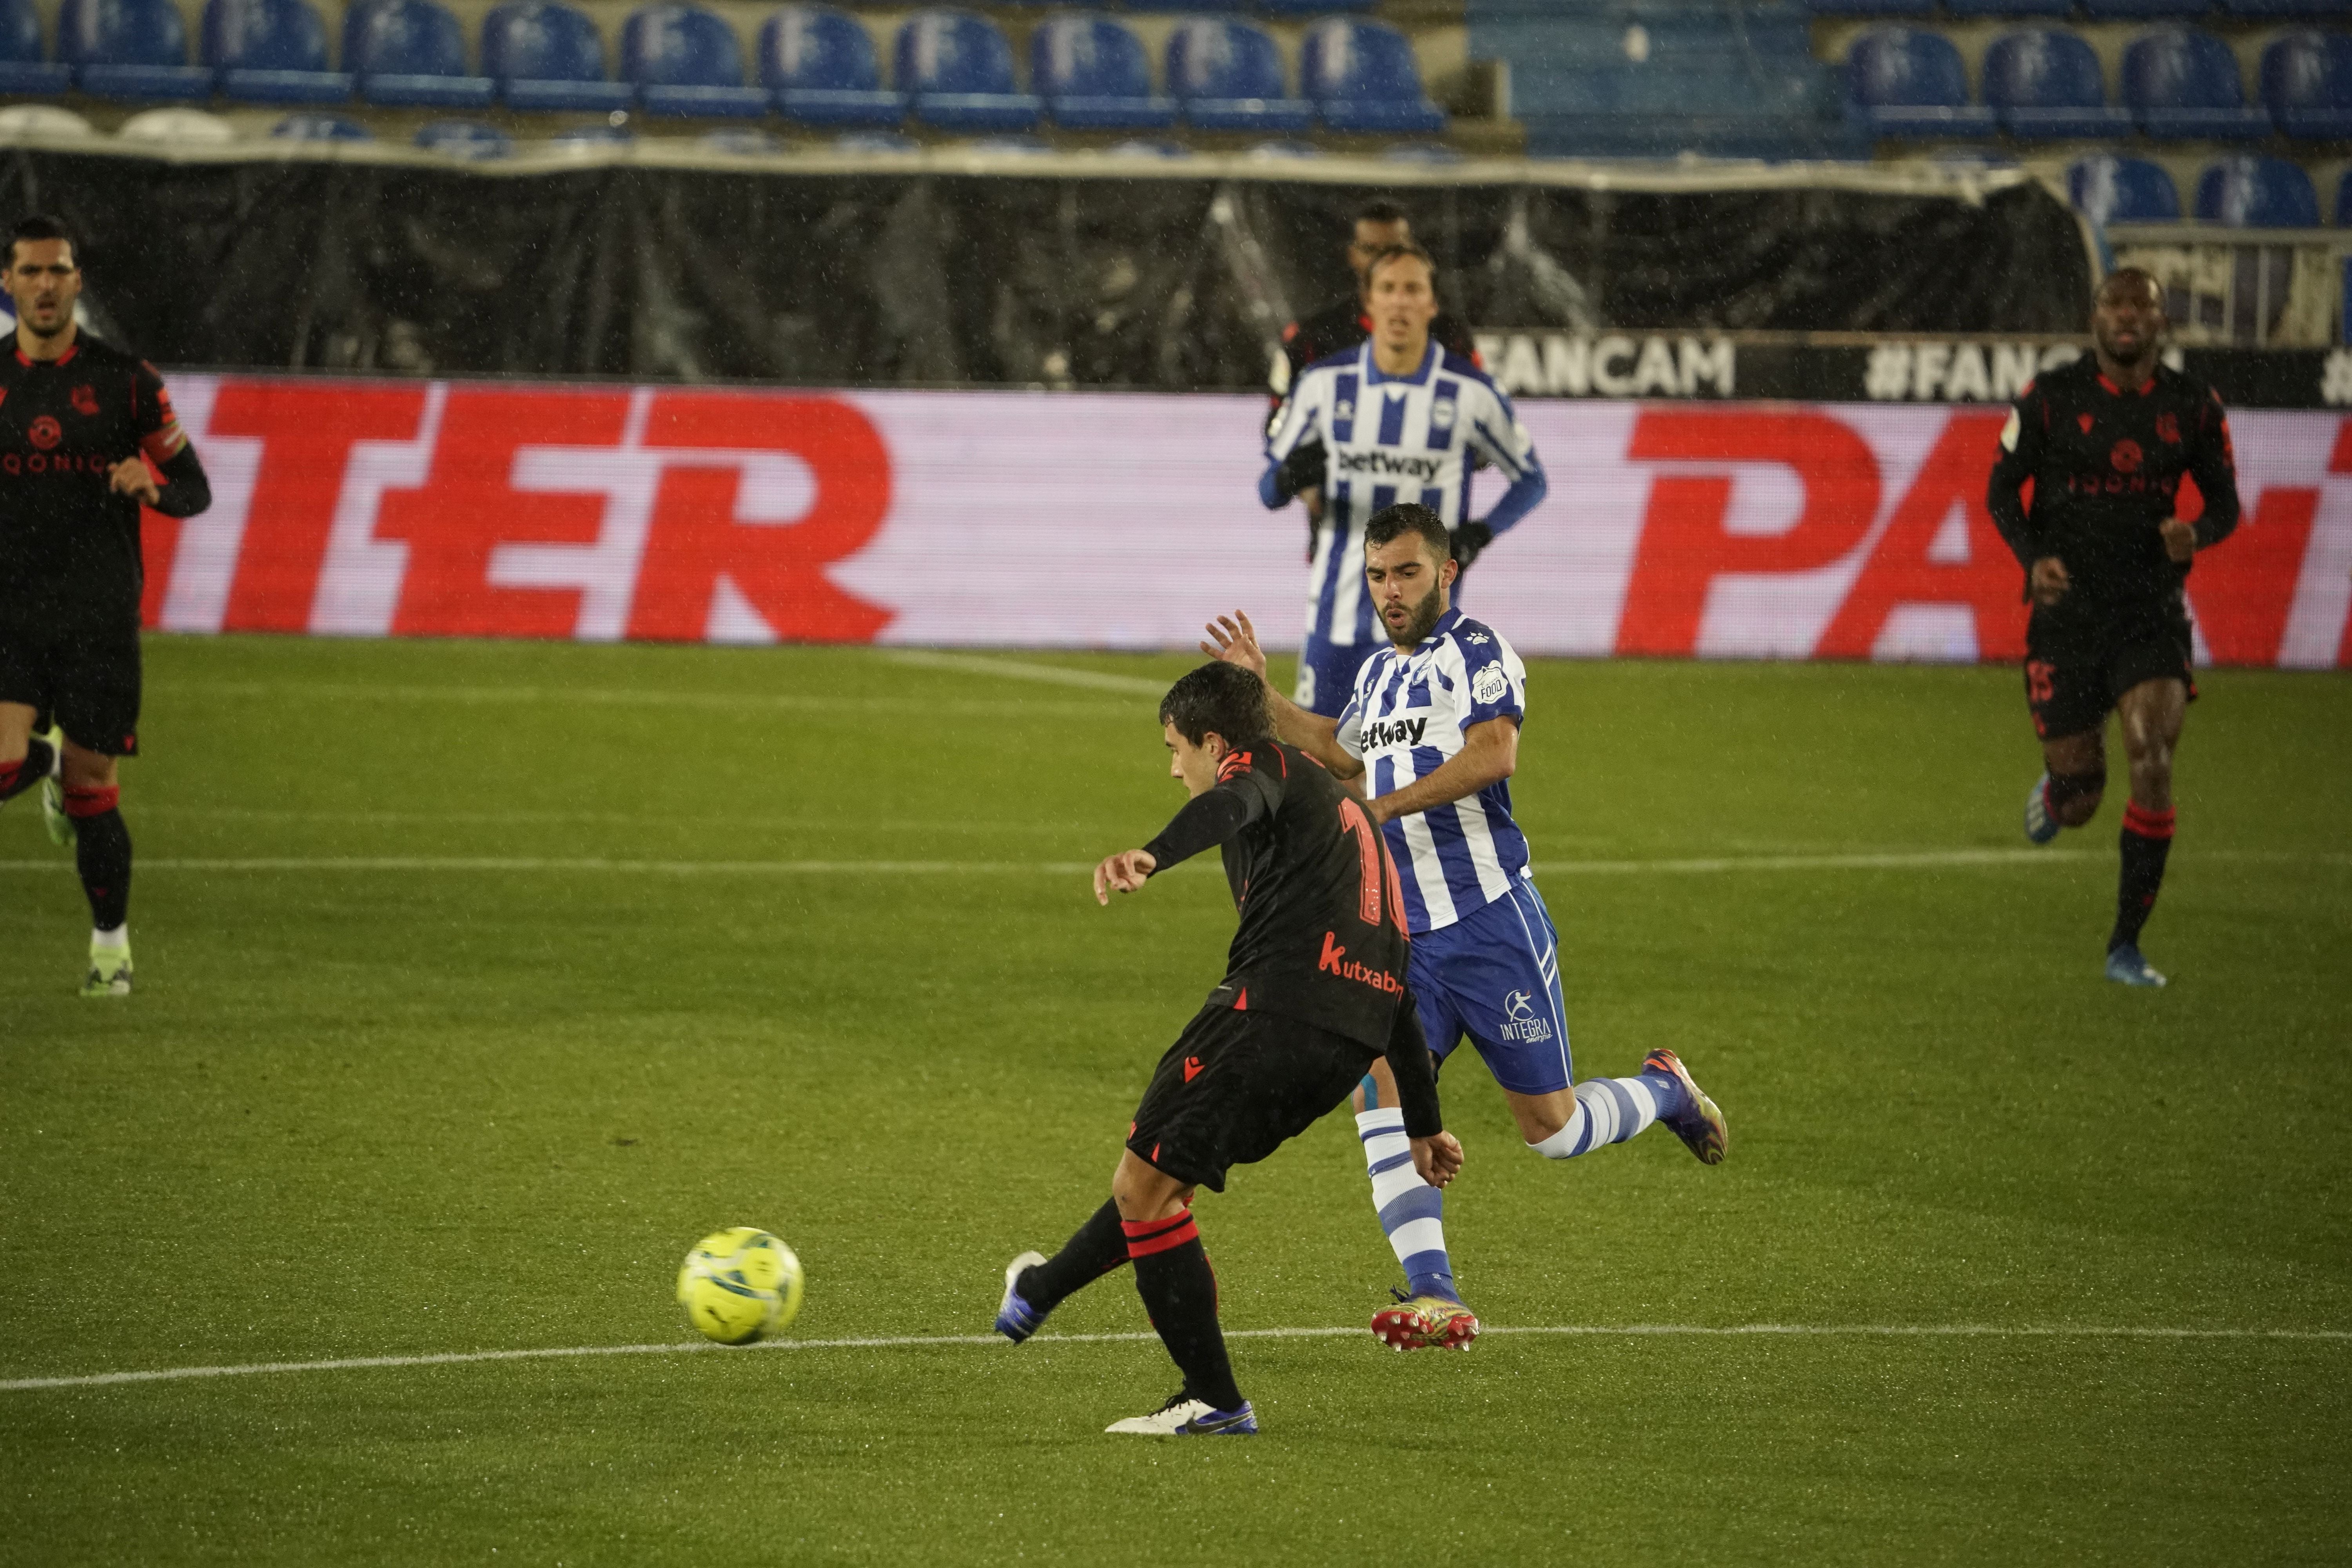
1374, 870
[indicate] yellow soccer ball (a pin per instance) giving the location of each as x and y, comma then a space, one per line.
739, 1285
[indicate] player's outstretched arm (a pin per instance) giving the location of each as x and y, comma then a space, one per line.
1489, 755
1234, 640
1125, 872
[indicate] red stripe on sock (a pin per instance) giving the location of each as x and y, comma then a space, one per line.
9, 772
81, 803
1144, 1245
2148, 824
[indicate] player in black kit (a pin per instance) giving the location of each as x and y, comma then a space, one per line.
1314, 992
84, 429
2107, 442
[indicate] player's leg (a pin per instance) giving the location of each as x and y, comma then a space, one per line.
2151, 714
26, 759
1179, 1293
96, 708
1411, 1211
2068, 695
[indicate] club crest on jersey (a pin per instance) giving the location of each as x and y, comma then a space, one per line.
1344, 410
1490, 684
85, 400
46, 432
1441, 414
2167, 428
2126, 456
1521, 1021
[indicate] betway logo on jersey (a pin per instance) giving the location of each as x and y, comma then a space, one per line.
1578, 364
1381, 464
1335, 960
1390, 732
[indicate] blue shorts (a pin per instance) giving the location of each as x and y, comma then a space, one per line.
1494, 976
1327, 674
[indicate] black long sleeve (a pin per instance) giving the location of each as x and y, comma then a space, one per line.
1209, 819
2214, 467
184, 491
1416, 1075
2020, 455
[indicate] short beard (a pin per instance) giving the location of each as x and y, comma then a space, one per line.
2150, 348
1425, 616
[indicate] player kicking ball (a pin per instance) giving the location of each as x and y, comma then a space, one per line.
2106, 441
1313, 995
1431, 734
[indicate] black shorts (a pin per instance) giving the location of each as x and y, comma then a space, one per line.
1237, 1086
2078, 665
85, 681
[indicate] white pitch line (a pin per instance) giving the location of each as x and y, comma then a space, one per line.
1027, 669
921, 1341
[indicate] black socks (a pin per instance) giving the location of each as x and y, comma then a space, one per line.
2145, 842
1180, 1291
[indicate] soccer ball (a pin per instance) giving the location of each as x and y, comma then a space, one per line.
740, 1284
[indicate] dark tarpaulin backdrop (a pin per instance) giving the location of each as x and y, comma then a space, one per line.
915, 279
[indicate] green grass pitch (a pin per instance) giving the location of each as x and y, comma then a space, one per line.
462, 1091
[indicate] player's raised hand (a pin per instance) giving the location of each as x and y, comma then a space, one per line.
131, 478
2049, 580
2179, 538
1438, 1159
1234, 640
1124, 872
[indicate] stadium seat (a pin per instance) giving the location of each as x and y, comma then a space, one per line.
2181, 83
2141, 10
1228, 77
130, 49
956, 69
686, 61
2248, 192
2044, 83
2108, 189
411, 53
1902, 82
1363, 77
321, 128
545, 55
1094, 76
1871, 7
463, 139
22, 68
2307, 85
1188, 7
2009, 7
819, 64
1315, 7
270, 51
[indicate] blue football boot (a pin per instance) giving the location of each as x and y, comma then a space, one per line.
1016, 1319
2041, 827
2127, 967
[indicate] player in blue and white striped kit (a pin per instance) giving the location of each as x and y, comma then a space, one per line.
1394, 419
1431, 730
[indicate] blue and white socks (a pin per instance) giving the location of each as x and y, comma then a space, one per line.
1411, 1210
1611, 1110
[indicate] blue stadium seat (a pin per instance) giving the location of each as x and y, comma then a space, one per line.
2250, 192
1228, 77
321, 128
545, 55
2044, 83
1315, 7
1871, 7
2141, 10
130, 49
22, 68
958, 70
819, 64
1188, 7
686, 61
1094, 76
463, 139
411, 53
2009, 7
1903, 82
2181, 83
271, 51
2107, 189
2307, 85
1363, 77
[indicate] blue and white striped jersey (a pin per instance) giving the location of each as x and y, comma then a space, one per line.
1405, 719
1388, 439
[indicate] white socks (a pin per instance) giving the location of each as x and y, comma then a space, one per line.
1608, 1111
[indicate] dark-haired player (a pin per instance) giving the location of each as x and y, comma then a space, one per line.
1344, 323
84, 430
2107, 442
1431, 734
1313, 994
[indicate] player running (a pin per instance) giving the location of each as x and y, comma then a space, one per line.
2106, 441
1398, 418
1432, 731
1312, 995
79, 424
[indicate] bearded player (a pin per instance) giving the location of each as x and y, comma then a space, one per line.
2107, 442
85, 429
1431, 734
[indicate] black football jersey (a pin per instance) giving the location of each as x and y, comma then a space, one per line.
1322, 934
68, 544
2106, 466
